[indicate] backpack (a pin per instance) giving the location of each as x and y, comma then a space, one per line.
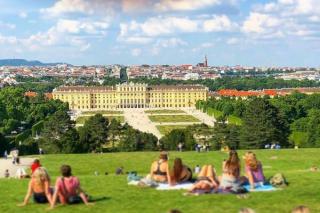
132, 176
278, 180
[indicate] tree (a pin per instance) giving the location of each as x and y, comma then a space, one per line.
114, 130
225, 134
123, 75
94, 133
54, 130
176, 136
263, 124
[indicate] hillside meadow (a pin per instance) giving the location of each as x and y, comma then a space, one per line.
114, 195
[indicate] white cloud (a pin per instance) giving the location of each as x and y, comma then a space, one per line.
23, 15
218, 24
166, 26
76, 26
69, 6
283, 18
136, 52
259, 23
168, 5
232, 41
7, 25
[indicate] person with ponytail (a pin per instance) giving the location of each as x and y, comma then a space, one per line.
230, 180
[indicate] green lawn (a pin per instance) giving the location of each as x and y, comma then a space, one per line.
214, 112
172, 118
234, 120
164, 111
295, 164
102, 112
165, 129
82, 119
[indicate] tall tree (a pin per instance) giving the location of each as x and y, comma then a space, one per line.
263, 124
94, 133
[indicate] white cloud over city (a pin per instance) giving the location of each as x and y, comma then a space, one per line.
157, 27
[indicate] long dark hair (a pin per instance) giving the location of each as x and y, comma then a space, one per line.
232, 165
177, 168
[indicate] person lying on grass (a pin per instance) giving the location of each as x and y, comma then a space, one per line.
39, 187
181, 173
206, 180
68, 189
253, 169
159, 170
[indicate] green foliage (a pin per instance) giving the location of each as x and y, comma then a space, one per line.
123, 75
94, 133
37, 128
134, 140
176, 136
299, 139
225, 135
263, 124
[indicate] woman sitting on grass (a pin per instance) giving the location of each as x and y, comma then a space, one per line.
159, 171
253, 169
68, 189
230, 180
39, 187
181, 173
206, 180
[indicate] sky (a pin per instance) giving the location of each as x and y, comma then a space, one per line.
133, 32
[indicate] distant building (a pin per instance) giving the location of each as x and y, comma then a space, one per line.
204, 64
130, 95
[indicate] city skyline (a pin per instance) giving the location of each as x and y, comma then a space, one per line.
253, 33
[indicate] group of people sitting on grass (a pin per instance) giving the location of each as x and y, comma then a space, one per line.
207, 179
67, 189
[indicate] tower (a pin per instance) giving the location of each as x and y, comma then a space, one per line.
205, 61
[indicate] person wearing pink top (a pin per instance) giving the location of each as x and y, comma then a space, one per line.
253, 169
68, 189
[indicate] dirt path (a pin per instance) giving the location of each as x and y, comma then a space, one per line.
7, 164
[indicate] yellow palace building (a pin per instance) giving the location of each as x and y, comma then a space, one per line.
130, 95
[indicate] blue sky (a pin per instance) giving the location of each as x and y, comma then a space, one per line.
229, 32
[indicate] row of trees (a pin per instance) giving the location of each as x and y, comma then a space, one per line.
285, 120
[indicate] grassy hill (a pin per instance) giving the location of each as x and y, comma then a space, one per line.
295, 164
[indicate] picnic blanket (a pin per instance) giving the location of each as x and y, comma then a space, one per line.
260, 188
165, 186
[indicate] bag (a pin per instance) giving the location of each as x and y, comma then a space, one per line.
132, 176
74, 199
278, 180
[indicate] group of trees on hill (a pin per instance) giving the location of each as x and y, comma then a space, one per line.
285, 120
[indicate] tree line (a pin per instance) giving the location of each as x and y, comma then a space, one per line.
286, 120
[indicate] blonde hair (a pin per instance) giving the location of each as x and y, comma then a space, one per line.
40, 175
251, 160
301, 209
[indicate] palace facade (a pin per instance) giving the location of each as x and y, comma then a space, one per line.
130, 95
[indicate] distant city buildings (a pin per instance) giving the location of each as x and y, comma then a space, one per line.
72, 74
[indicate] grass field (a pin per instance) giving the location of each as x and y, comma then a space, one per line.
165, 129
214, 112
82, 119
172, 118
164, 111
121, 198
102, 112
